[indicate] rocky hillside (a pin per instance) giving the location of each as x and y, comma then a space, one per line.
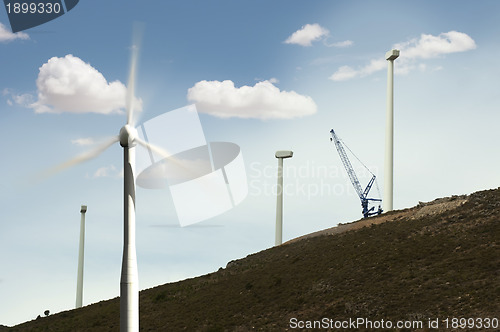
436, 261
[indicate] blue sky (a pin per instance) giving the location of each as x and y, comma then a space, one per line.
323, 60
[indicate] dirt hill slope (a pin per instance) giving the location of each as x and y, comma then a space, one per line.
434, 261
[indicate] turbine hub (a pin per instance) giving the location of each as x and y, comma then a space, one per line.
127, 136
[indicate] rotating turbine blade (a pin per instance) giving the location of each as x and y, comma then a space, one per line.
165, 154
78, 159
154, 148
136, 41
131, 85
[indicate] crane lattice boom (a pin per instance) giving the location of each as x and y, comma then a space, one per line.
363, 194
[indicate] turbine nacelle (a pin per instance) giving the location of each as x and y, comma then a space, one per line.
127, 136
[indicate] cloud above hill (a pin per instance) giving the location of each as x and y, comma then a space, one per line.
307, 34
314, 32
69, 85
262, 101
425, 47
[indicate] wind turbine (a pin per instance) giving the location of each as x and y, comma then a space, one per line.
279, 201
128, 138
389, 132
79, 280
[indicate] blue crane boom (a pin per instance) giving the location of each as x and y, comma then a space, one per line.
363, 194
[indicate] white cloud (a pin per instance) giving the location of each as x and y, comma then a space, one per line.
24, 100
342, 44
346, 72
307, 34
427, 47
106, 171
374, 65
109, 171
261, 101
313, 32
273, 80
70, 85
7, 36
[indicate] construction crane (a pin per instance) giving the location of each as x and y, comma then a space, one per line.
363, 194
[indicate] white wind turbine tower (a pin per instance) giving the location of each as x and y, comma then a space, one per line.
389, 133
279, 200
128, 138
81, 253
